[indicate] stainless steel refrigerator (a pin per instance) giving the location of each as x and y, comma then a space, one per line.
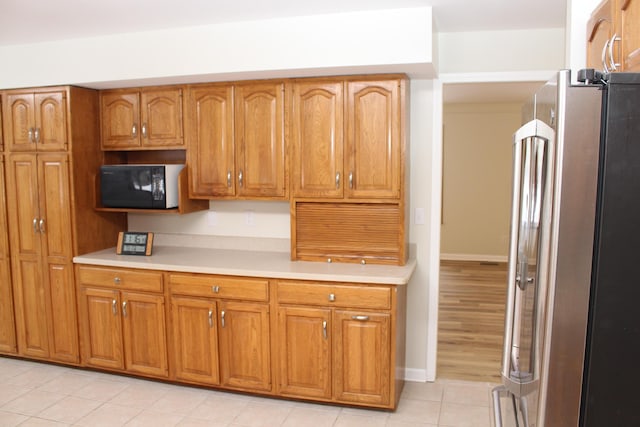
571, 352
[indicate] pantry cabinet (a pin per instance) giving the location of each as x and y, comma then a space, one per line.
221, 331
347, 139
7, 323
51, 156
122, 318
236, 141
38, 190
336, 342
613, 36
142, 119
35, 120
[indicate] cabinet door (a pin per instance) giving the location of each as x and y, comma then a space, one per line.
244, 345
19, 122
629, 28
63, 324
101, 328
144, 337
317, 139
30, 292
599, 32
54, 219
195, 340
362, 357
7, 323
54, 228
259, 139
120, 118
161, 124
304, 348
211, 145
51, 121
373, 146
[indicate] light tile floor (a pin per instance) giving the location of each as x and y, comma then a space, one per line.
39, 394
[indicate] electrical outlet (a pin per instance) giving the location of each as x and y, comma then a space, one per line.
212, 218
250, 218
418, 219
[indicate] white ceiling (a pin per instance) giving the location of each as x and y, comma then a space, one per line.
33, 21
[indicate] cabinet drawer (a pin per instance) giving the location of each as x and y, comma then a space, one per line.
137, 280
334, 295
203, 285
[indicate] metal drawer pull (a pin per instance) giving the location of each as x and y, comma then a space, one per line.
30, 133
215, 289
35, 225
222, 317
332, 297
351, 180
360, 318
36, 134
210, 318
124, 309
144, 130
240, 178
134, 130
41, 225
228, 178
337, 180
324, 329
114, 307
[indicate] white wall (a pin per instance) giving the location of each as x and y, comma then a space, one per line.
477, 180
373, 41
501, 51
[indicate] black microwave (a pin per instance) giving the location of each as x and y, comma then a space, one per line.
140, 186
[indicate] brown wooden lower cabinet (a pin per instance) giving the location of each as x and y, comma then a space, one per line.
122, 328
338, 342
311, 340
221, 331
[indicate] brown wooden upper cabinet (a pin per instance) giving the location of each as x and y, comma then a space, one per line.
236, 141
629, 26
613, 36
142, 119
347, 138
35, 120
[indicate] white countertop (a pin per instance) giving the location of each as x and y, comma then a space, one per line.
276, 265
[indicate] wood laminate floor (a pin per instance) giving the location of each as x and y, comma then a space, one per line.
471, 320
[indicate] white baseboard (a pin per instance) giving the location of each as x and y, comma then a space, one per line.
473, 257
417, 375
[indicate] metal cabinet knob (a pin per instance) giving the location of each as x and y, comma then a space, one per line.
117, 280
332, 297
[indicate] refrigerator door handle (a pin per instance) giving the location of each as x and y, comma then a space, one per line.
533, 165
